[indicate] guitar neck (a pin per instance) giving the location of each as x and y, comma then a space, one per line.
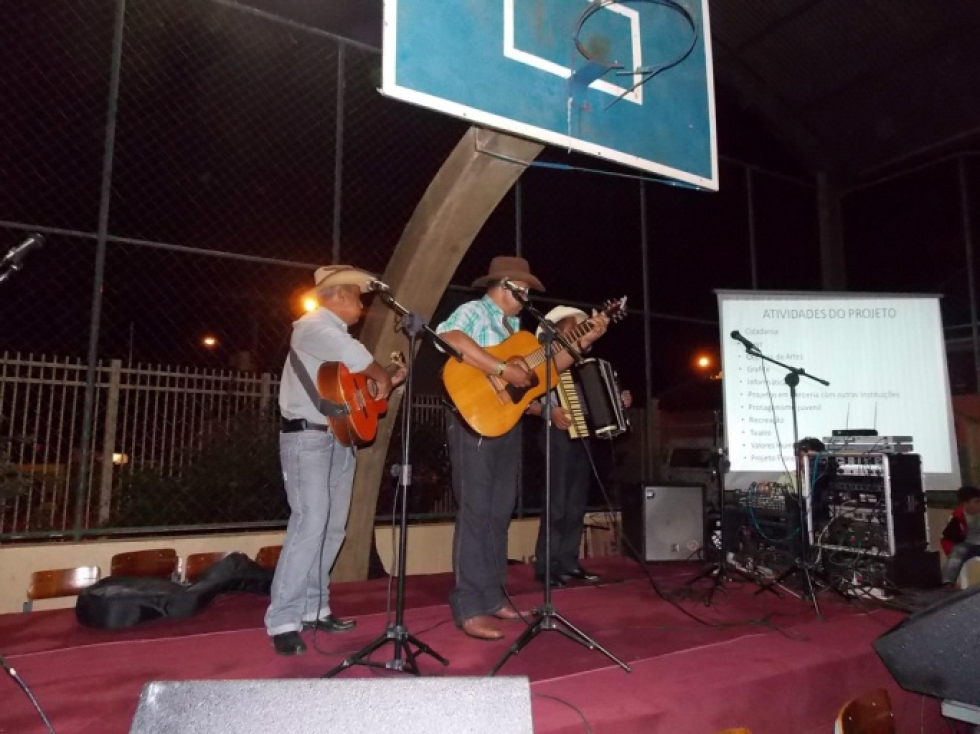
536, 357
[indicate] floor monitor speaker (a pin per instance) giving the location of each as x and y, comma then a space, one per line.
934, 651
664, 522
354, 706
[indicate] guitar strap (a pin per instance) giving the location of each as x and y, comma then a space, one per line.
329, 408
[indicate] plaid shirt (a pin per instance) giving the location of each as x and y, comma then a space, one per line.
482, 321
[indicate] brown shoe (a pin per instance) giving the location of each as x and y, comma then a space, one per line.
482, 627
509, 613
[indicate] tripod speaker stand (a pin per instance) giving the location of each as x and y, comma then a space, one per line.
548, 619
397, 633
720, 571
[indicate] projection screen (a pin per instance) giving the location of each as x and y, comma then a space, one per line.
883, 355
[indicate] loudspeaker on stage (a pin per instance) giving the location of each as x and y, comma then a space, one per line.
935, 652
664, 522
356, 706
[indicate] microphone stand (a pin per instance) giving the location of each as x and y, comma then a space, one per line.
721, 570
548, 618
801, 564
397, 633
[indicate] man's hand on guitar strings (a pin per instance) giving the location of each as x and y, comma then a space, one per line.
516, 373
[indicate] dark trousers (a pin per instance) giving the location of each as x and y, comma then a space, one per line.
485, 486
571, 476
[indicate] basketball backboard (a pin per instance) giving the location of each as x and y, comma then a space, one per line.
586, 76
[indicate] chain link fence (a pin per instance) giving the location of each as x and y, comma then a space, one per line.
190, 163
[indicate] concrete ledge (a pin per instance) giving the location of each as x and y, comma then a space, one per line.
429, 551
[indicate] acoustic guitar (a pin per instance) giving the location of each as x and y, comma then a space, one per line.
489, 404
357, 393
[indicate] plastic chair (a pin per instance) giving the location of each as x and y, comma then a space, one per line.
198, 563
870, 713
157, 562
268, 556
55, 583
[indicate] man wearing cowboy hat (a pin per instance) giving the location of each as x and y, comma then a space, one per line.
318, 470
485, 469
571, 471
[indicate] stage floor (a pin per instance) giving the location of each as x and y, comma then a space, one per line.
756, 661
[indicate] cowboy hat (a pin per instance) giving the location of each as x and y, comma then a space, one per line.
511, 268
333, 275
560, 313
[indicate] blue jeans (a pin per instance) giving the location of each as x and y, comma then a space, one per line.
319, 474
961, 553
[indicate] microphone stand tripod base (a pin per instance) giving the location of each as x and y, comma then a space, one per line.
810, 589
548, 620
720, 572
399, 635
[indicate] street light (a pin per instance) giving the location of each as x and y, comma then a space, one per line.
704, 363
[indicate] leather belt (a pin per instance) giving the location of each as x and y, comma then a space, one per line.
301, 424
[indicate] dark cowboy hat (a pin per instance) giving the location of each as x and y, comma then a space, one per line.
511, 268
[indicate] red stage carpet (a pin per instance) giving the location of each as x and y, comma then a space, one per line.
759, 662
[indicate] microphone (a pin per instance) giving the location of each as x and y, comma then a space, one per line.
377, 286
18, 253
518, 291
745, 342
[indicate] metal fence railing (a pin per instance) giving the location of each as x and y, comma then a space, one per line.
173, 447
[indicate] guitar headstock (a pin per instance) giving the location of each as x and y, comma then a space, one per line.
615, 310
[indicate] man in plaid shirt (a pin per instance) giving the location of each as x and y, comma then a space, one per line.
485, 469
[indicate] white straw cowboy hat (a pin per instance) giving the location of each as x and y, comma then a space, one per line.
333, 275
560, 313
510, 268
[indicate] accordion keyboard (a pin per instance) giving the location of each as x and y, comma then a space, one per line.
569, 398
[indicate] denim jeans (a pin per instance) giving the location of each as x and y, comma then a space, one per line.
961, 553
485, 485
319, 475
571, 477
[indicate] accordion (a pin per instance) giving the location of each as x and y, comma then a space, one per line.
590, 392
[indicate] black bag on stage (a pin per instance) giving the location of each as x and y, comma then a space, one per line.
116, 602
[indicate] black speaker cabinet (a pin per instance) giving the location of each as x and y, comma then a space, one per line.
664, 522
935, 651
354, 706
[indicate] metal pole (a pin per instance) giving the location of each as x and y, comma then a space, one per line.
100, 250
647, 336
518, 250
971, 286
338, 155
750, 206
518, 219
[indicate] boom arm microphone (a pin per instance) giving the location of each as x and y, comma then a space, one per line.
18, 253
745, 342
